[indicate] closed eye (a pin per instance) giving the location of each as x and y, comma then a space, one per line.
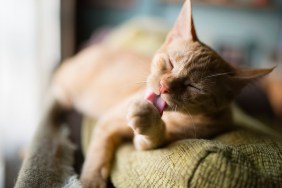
169, 64
188, 85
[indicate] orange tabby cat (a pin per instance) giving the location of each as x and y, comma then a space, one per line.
188, 95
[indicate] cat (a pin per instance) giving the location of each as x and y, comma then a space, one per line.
188, 94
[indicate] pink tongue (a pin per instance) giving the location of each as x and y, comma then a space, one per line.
157, 101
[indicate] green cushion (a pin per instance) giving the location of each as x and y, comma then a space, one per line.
239, 158
236, 159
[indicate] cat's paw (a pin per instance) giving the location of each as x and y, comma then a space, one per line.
95, 182
93, 179
143, 117
146, 122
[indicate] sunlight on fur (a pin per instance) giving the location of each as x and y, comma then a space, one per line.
187, 92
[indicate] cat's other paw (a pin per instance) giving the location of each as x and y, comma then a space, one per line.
95, 182
143, 117
93, 179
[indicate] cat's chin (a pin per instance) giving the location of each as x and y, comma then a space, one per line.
168, 100
172, 105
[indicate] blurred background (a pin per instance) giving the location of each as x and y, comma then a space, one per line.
35, 36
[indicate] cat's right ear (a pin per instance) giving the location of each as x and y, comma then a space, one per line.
184, 26
244, 77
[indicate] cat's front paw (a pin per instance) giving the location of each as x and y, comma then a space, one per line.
143, 117
93, 178
94, 182
146, 122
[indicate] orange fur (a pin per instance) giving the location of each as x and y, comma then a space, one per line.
101, 82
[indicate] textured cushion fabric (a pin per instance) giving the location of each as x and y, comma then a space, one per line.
239, 158
235, 159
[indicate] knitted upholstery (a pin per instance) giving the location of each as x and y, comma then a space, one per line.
239, 158
235, 159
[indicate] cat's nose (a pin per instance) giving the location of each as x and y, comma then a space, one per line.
164, 88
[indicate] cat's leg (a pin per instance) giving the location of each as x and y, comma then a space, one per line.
106, 137
148, 127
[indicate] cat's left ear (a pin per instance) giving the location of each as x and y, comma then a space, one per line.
245, 76
184, 26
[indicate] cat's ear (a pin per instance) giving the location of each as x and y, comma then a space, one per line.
184, 26
245, 76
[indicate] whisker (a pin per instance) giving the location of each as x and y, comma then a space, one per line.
142, 82
175, 108
133, 84
219, 74
192, 122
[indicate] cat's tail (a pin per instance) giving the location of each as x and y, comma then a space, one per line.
48, 162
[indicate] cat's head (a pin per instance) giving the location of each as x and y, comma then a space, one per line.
190, 76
